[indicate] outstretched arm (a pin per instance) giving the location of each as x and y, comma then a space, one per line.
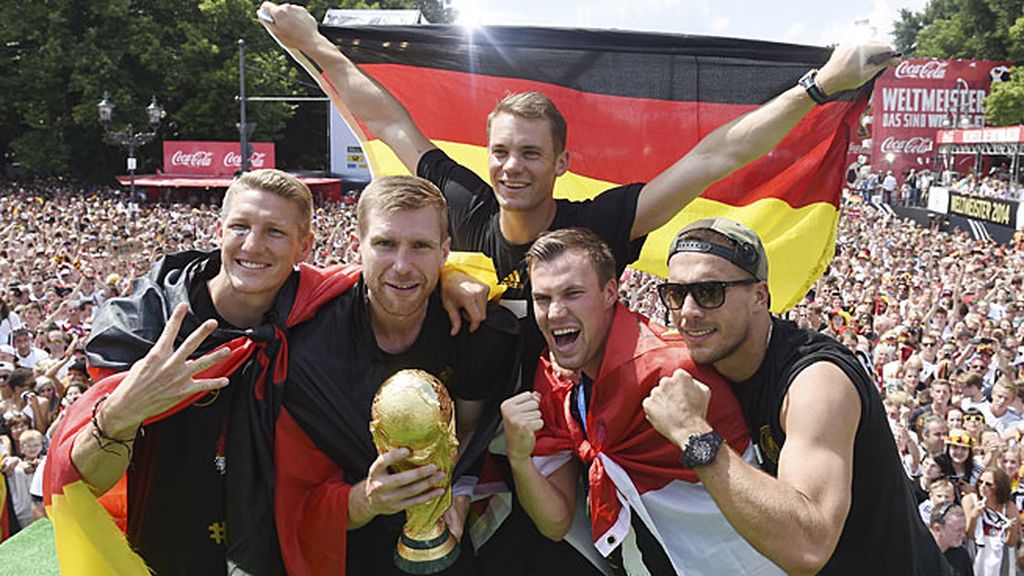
346, 85
795, 520
747, 138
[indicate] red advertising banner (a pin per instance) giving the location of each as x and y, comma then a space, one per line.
921, 96
213, 158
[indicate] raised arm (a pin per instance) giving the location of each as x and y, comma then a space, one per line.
747, 138
795, 520
346, 85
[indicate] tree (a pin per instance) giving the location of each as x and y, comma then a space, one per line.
60, 57
1005, 105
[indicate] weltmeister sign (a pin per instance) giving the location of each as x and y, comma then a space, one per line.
920, 96
992, 210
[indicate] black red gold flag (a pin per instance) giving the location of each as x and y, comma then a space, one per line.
634, 103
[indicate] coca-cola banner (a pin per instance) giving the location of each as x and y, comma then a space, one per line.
213, 158
919, 97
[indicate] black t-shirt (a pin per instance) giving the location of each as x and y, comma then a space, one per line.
474, 223
473, 216
960, 561
883, 533
336, 368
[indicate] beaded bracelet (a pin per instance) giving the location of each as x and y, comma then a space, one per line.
102, 439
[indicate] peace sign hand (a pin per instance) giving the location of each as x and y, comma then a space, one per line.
162, 379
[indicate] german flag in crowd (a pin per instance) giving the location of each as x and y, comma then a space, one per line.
634, 103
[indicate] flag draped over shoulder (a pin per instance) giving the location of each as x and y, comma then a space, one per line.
634, 103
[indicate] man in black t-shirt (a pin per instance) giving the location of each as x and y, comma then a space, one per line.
527, 152
949, 527
830, 495
392, 319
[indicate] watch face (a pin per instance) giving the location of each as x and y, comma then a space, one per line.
701, 449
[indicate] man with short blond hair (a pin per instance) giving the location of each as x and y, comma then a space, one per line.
206, 464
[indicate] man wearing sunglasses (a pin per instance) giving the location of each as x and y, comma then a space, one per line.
829, 495
948, 526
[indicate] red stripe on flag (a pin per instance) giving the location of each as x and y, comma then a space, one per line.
619, 139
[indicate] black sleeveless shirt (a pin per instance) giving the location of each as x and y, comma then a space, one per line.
883, 533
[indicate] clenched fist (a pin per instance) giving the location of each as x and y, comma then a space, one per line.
678, 407
520, 415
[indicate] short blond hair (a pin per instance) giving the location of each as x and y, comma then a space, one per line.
397, 193
533, 105
275, 182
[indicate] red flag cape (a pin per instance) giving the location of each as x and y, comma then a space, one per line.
638, 354
88, 541
634, 104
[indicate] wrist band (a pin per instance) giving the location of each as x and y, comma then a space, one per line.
807, 82
102, 438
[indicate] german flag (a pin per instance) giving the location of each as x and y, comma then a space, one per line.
634, 103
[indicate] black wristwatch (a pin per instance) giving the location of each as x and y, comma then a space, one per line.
701, 449
807, 82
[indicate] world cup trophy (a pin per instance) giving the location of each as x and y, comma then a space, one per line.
412, 410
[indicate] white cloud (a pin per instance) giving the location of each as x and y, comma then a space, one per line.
719, 24
795, 32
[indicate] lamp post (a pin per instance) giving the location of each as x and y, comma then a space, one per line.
129, 138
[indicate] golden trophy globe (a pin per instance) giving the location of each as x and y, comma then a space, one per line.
412, 410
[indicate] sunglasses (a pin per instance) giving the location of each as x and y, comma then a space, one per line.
939, 515
707, 295
974, 418
928, 344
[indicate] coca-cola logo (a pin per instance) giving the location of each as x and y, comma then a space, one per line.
930, 70
234, 159
915, 145
199, 158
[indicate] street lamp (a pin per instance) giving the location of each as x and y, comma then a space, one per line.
129, 138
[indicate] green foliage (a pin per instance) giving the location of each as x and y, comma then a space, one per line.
59, 57
1005, 105
981, 29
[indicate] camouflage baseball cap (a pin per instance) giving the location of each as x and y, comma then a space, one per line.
747, 252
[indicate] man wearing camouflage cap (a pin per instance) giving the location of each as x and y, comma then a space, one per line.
830, 496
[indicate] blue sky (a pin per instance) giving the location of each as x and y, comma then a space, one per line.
803, 22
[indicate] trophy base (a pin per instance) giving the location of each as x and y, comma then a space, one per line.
426, 556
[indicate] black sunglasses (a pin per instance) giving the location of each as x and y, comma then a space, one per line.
707, 295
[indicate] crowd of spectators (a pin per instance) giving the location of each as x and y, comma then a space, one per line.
936, 317
911, 188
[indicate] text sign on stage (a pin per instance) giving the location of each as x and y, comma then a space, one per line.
992, 210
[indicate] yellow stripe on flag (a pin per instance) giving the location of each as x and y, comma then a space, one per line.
800, 242
87, 540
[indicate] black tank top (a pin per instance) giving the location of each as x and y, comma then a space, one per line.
883, 533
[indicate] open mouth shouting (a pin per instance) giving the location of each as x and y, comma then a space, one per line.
565, 337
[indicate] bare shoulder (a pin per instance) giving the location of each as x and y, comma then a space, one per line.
822, 405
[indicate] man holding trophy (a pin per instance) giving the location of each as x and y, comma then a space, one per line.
390, 321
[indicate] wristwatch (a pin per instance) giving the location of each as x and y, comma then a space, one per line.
701, 449
807, 82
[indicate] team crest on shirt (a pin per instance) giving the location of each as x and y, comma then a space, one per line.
769, 449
